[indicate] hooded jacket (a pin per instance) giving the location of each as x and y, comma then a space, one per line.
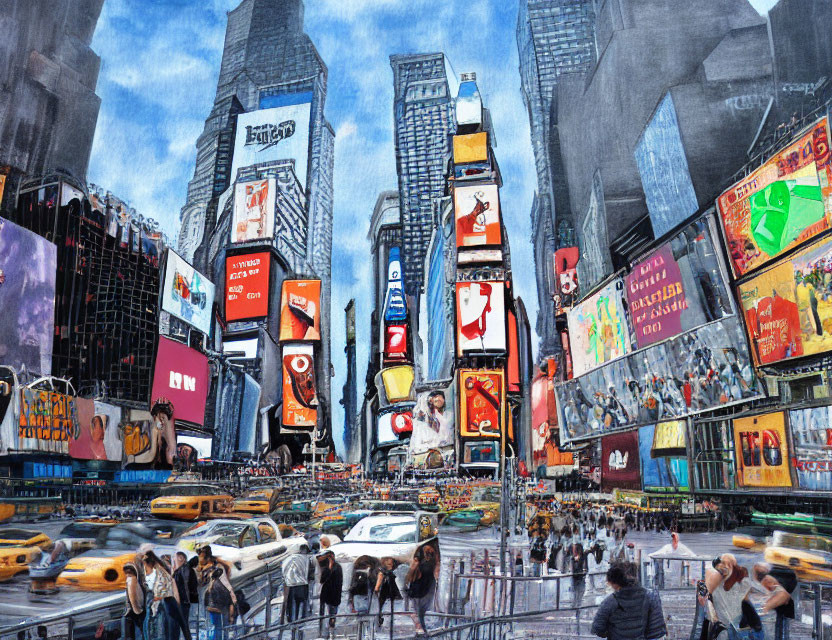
631, 613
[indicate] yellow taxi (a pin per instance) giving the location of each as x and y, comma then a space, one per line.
261, 500
19, 547
190, 502
809, 556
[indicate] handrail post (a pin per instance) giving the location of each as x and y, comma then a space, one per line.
817, 622
70, 628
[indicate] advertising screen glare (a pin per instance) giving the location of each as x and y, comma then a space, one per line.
254, 204
300, 310
480, 317
300, 400
812, 454
659, 472
782, 204
788, 308
481, 403
187, 294
598, 330
28, 265
181, 375
477, 214
762, 452
385, 433
279, 133
619, 462
247, 286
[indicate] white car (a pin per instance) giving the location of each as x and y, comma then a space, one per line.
253, 544
397, 536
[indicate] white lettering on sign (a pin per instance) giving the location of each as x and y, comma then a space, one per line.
182, 381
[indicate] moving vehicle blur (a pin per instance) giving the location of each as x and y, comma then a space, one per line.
261, 500
190, 501
809, 556
396, 536
18, 548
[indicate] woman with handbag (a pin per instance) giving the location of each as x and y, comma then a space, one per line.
421, 583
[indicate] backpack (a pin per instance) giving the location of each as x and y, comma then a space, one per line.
360, 583
219, 595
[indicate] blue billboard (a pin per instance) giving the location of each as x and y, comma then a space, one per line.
395, 306
660, 473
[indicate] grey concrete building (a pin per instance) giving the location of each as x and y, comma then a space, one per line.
423, 116
48, 105
553, 37
349, 396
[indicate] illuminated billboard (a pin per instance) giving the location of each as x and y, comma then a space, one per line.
278, 133
395, 305
187, 294
96, 436
433, 420
395, 342
28, 265
811, 431
477, 215
254, 210
181, 375
47, 420
300, 399
782, 204
143, 443
619, 462
395, 384
471, 148
300, 310
480, 317
662, 472
678, 287
598, 329
384, 429
566, 277
481, 403
762, 451
247, 286
788, 310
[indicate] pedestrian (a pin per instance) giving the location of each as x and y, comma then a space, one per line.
781, 583
296, 579
386, 587
159, 587
631, 612
537, 554
364, 575
421, 581
728, 585
332, 582
187, 586
220, 600
578, 567
134, 607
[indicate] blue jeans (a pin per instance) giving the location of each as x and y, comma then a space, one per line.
781, 627
177, 622
219, 621
745, 634
296, 602
536, 569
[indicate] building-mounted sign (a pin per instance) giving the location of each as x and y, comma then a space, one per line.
254, 210
300, 400
477, 214
300, 310
187, 294
247, 286
480, 317
395, 305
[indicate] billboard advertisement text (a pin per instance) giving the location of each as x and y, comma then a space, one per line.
395, 305
762, 451
247, 286
187, 294
181, 375
300, 310
48, 420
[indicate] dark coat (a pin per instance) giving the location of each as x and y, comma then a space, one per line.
631, 613
332, 582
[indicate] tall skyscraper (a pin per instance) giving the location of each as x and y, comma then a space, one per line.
268, 62
48, 105
553, 37
349, 398
425, 86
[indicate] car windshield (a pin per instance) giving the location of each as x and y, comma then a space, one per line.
227, 534
380, 531
137, 533
188, 490
82, 530
807, 543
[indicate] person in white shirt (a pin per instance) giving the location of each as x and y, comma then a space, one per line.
296, 581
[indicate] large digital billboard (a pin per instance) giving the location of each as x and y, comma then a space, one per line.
661, 472
187, 294
47, 420
279, 133
254, 210
811, 431
481, 403
28, 264
678, 287
143, 443
433, 420
788, 308
247, 286
598, 329
480, 317
395, 305
780, 205
181, 375
300, 398
762, 451
395, 384
619, 462
96, 435
300, 310
700, 370
477, 214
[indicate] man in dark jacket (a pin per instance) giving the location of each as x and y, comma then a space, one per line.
332, 583
631, 612
186, 583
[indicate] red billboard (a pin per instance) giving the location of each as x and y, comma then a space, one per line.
247, 286
395, 342
619, 462
181, 375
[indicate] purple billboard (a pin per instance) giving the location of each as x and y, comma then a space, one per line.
656, 297
28, 264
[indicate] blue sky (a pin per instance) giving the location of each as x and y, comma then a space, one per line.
159, 67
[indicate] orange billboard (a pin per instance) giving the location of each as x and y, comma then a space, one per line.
300, 310
247, 286
761, 451
300, 399
481, 403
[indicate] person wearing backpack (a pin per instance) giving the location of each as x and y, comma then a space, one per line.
220, 601
364, 573
386, 587
631, 612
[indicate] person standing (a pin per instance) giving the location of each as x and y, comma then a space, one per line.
220, 601
332, 582
159, 587
631, 612
537, 554
421, 580
781, 583
186, 585
578, 567
728, 585
386, 587
296, 579
134, 592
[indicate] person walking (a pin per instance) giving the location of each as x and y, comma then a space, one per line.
296, 579
781, 583
332, 582
537, 554
134, 608
364, 575
159, 587
386, 588
187, 586
421, 581
220, 601
728, 585
578, 567
631, 612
